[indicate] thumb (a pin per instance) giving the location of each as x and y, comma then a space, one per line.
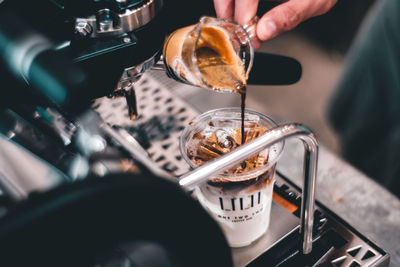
288, 15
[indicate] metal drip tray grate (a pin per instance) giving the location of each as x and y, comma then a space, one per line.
161, 118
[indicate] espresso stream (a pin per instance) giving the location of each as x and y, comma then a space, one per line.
221, 67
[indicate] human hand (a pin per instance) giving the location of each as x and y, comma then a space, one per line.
281, 18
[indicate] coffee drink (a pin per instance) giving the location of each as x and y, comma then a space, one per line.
210, 54
238, 198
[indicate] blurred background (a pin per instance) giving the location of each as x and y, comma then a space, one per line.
321, 45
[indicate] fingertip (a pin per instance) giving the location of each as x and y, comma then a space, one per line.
266, 29
245, 10
224, 9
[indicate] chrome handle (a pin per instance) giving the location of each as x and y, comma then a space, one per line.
277, 134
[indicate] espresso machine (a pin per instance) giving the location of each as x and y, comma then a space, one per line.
90, 173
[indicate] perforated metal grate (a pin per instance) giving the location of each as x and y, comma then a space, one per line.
161, 118
356, 256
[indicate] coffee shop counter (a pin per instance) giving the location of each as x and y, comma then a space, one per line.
165, 105
356, 198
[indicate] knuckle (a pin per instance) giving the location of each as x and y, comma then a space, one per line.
292, 17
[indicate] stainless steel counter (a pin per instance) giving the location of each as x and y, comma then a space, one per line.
356, 198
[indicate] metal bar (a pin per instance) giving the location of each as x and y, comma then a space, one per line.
18, 179
277, 134
131, 145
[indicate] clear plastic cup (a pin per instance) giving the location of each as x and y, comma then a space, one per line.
184, 51
239, 198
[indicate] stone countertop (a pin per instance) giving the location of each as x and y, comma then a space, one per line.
356, 198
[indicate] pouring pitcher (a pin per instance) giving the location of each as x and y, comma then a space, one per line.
215, 54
